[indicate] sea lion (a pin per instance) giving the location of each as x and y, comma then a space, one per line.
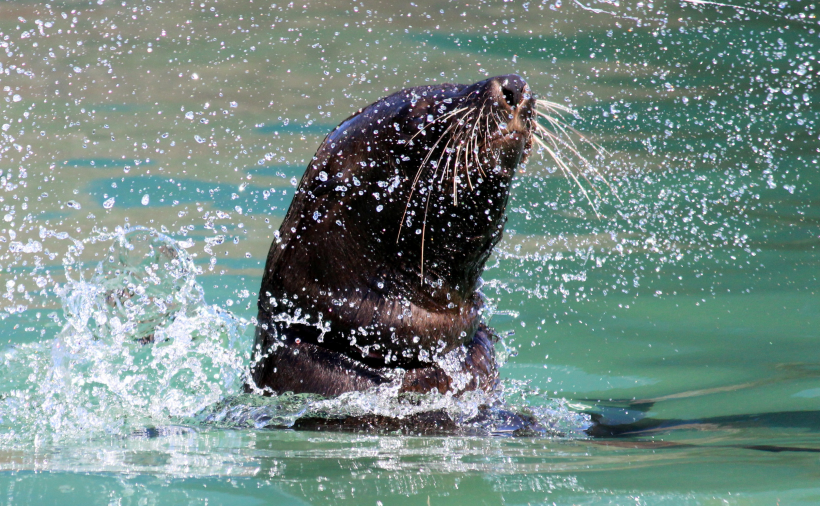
374, 275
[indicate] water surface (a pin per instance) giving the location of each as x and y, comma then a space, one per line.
677, 305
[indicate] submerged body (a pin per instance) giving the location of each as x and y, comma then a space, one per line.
374, 276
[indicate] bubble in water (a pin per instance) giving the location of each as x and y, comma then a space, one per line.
145, 199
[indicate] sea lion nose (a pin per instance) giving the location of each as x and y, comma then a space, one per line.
513, 88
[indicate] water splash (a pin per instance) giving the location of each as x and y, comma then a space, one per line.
384, 410
140, 347
98, 376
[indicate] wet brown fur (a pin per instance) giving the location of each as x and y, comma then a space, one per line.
355, 295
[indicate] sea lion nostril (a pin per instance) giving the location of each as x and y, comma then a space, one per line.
510, 96
513, 88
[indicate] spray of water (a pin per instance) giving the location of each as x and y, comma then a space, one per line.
140, 347
100, 375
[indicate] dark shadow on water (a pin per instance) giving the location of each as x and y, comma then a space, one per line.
624, 434
489, 421
606, 427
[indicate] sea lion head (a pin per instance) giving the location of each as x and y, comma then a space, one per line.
441, 157
395, 217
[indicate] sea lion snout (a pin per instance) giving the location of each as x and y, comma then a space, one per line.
514, 105
512, 88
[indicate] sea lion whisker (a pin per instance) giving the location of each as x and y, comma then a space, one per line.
556, 140
597, 147
566, 170
474, 139
429, 194
418, 174
433, 147
556, 121
459, 149
487, 127
453, 139
554, 106
445, 151
440, 118
556, 124
486, 136
467, 151
457, 135
561, 127
463, 149
498, 122
449, 152
461, 155
566, 140
476, 151
469, 181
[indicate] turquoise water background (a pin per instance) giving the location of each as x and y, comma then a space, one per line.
679, 307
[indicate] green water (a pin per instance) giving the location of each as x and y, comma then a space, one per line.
679, 305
